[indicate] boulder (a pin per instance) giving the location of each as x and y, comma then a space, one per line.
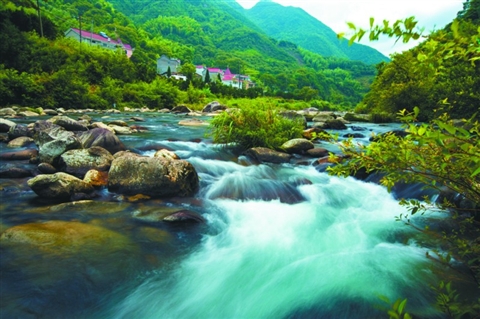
8, 112
46, 168
263, 154
118, 123
166, 154
121, 130
27, 113
103, 138
5, 125
333, 124
314, 133
102, 125
68, 123
213, 106
79, 161
96, 178
181, 109
18, 130
152, 176
53, 142
50, 112
324, 116
21, 141
138, 119
317, 152
60, 186
309, 113
297, 146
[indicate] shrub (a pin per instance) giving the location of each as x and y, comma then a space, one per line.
257, 125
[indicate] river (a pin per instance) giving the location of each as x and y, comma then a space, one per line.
280, 241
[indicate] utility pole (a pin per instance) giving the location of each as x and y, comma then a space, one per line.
40, 18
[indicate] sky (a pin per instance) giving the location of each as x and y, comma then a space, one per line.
430, 14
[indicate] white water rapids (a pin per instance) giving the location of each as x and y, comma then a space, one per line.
330, 255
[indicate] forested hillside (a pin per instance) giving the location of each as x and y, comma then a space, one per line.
297, 26
207, 32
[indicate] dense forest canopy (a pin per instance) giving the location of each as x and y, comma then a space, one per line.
211, 33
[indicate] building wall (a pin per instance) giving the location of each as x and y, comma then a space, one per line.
164, 62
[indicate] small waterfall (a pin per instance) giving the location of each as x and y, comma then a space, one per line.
329, 254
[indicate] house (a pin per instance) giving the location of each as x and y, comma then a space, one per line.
213, 73
238, 81
164, 62
101, 40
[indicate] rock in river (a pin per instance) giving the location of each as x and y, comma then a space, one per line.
152, 176
58, 186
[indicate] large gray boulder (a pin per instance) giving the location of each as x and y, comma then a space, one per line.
53, 141
60, 186
152, 176
103, 138
297, 146
78, 162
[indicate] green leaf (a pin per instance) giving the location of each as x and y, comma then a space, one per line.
477, 171
351, 25
371, 21
402, 306
414, 210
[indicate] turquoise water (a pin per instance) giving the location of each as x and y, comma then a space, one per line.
280, 241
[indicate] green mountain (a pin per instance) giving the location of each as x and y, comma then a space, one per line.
297, 26
214, 33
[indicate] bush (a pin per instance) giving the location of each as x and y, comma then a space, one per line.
257, 125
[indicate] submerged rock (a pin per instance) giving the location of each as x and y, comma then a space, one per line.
19, 155
184, 216
14, 172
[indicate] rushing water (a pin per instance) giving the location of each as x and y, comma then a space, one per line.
281, 241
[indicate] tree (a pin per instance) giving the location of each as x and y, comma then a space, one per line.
169, 72
442, 154
207, 77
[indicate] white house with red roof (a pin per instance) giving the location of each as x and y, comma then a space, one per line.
101, 40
